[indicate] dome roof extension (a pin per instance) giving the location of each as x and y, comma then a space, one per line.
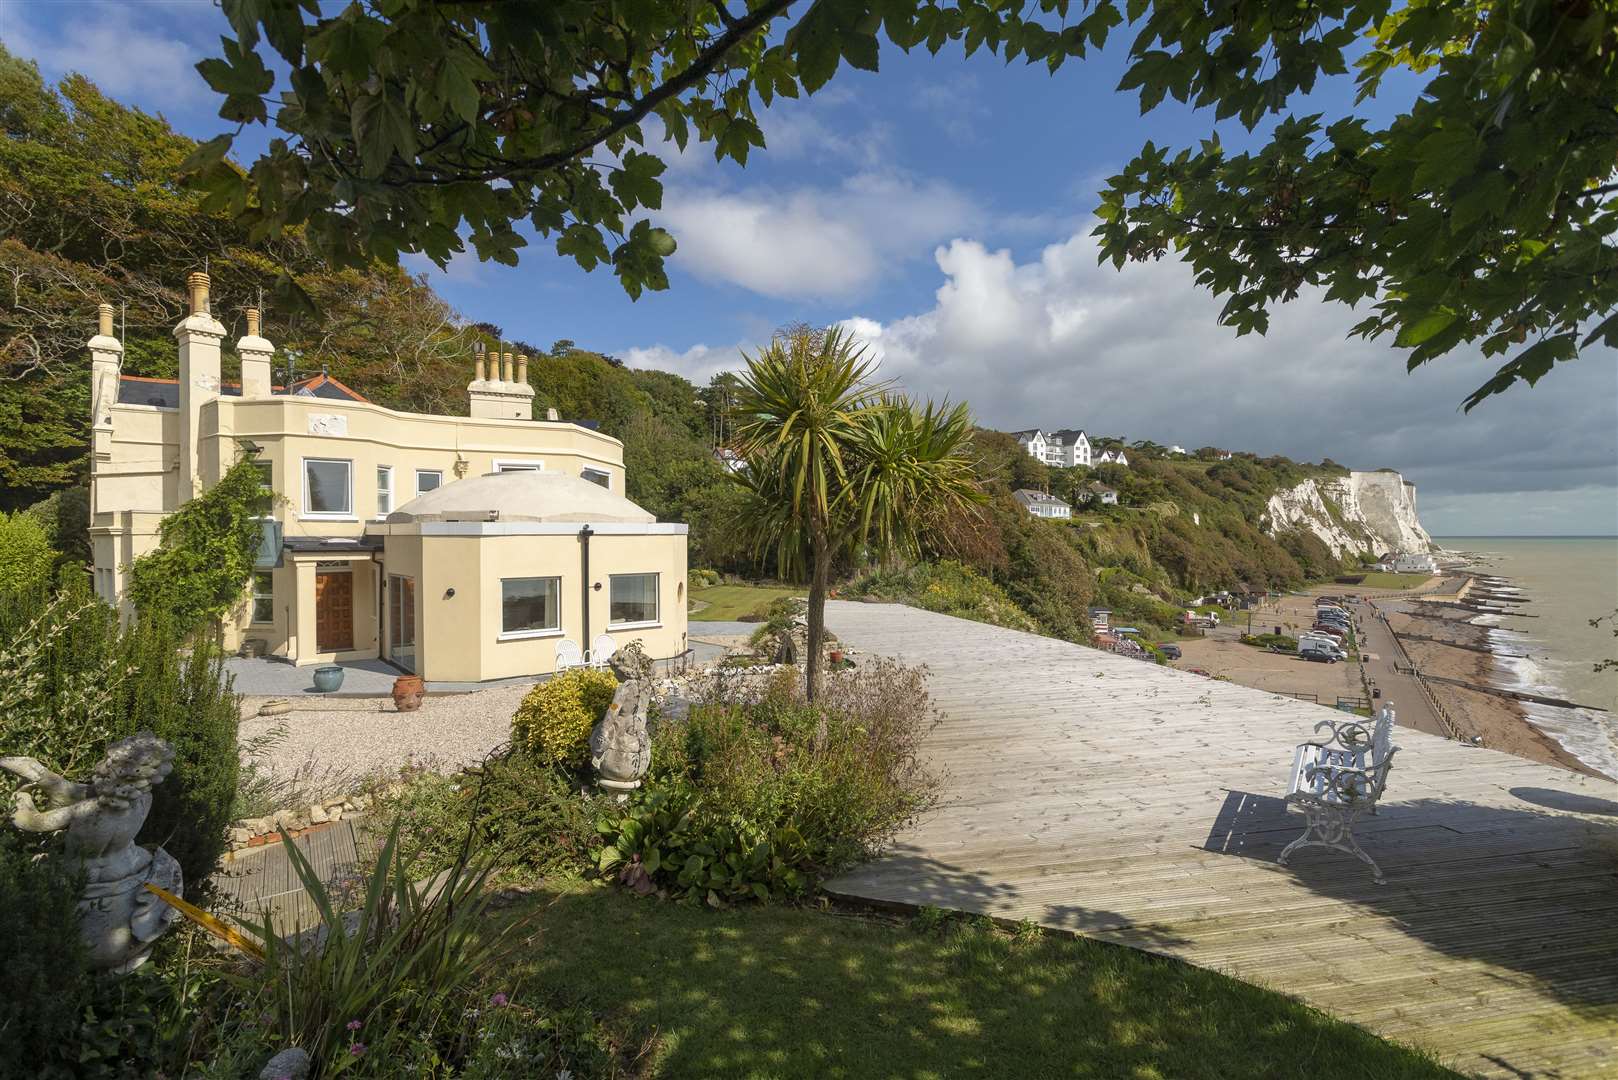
521, 496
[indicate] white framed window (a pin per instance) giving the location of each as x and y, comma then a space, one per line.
384, 490
530, 607
328, 487
519, 466
263, 597
429, 480
597, 476
632, 600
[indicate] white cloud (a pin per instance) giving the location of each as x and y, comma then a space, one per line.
698, 364
118, 48
812, 242
1059, 341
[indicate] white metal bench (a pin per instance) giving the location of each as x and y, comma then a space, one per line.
1337, 781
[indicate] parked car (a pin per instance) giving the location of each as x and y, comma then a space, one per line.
1319, 656
1170, 650
1322, 645
1333, 632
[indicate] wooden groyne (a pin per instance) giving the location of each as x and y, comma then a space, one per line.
1514, 695
1478, 609
1405, 635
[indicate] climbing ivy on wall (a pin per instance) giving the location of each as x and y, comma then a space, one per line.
204, 562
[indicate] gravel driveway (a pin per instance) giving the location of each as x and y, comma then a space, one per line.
335, 737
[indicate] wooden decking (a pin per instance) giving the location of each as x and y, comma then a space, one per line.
1140, 805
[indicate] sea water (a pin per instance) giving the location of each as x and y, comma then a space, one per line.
1568, 581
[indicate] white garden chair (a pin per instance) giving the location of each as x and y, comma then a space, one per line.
601, 650
568, 655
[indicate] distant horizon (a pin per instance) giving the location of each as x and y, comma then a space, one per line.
1524, 536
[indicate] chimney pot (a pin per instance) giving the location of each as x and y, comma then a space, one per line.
197, 283
522, 367
252, 322
104, 320
479, 371
505, 367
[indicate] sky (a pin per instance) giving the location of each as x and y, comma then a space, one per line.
941, 210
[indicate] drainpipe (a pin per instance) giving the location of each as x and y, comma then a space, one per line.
584, 568
381, 607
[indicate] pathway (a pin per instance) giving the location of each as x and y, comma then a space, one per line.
1416, 709
1141, 805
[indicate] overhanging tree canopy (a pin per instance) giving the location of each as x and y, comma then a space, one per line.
1480, 213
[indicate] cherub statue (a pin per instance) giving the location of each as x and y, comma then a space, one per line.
620, 749
119, 918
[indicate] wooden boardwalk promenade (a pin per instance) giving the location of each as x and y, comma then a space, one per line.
1140, 805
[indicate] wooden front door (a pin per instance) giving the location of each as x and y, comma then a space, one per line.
334, 611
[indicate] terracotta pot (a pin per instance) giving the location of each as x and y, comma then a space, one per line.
407, 692
836, 656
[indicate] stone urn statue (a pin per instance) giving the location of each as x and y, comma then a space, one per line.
620, 748
119, 919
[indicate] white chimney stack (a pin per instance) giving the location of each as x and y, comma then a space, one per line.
199, 335
106, 362
258, 359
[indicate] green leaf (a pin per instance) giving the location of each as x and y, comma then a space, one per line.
382, 128
1424, 328
207, 154
1447, 155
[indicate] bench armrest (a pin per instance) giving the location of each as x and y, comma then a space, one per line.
1346, 734
1352, 782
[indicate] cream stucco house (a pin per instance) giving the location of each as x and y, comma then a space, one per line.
461, 548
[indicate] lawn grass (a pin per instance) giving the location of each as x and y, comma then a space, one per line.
1381, 579
725, 603
765, 992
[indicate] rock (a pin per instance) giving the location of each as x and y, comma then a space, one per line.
239, 835
335, 813
257, 826
318, 815
290, 1064
290, 820
360, 802
348, 806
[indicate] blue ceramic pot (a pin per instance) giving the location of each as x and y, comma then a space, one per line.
328, 678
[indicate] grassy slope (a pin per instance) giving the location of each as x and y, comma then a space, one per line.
782, 992
728, 602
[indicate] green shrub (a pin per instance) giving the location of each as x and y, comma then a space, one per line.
533, 816
44, 983
65, 514
948, 588
757, 793
1264, 641
703, 579
75, 682
662, 844
554, 720
390, 982
26, 556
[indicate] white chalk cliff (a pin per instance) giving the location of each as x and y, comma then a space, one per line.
1361, 512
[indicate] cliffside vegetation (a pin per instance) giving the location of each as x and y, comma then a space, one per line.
1183, 527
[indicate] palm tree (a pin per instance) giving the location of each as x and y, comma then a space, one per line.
836, 463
